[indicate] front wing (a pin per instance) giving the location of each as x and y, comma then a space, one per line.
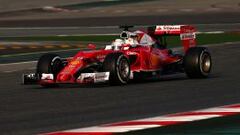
34, 78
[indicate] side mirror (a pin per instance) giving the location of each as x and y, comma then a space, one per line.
92, 46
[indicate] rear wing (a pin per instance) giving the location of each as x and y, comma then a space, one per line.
187, 33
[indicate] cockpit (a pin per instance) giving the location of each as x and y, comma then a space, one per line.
133, 39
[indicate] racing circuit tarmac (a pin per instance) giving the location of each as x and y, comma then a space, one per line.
32, 109
103, 25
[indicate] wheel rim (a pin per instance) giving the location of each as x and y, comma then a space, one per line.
124, 69
206, 63
56, 65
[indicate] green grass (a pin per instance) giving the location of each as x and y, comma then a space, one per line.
217, 38
171, 40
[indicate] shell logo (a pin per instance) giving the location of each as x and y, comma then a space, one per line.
154, 60
75, 62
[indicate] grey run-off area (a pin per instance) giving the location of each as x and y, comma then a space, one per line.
100, 30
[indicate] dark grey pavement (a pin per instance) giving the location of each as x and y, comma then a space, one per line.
32, 109
199, 18
108, 25
83, 30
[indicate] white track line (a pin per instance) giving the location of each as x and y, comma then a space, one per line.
221, 110
41, 52
180, 118
18, 63
154, 122
10, 71
116, 129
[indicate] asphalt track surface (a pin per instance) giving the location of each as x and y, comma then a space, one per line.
222, 21
198, 18
31, 109
66, 31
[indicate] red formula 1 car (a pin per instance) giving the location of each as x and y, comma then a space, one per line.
135, 55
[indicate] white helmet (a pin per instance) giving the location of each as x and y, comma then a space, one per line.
131, 41
117, 44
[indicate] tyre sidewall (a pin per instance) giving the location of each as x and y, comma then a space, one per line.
193, 62
46, 64
204, 52
112, 64
123, 80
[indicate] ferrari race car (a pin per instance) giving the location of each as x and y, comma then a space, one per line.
136, 55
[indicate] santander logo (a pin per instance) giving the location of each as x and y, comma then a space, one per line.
168, 27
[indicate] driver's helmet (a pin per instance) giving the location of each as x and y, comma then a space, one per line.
117, 43
144, 39
132, 39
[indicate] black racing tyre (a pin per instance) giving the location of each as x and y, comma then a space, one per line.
197, 62
119, 67
49, 63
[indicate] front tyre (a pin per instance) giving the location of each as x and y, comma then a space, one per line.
49, 64
197, 62
118, 66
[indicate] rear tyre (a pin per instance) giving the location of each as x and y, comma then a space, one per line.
49, 64
118, 66
197, 62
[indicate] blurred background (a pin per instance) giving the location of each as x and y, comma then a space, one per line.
15, 10
31, 28
49, 9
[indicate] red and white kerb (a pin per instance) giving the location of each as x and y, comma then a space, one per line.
154, 122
